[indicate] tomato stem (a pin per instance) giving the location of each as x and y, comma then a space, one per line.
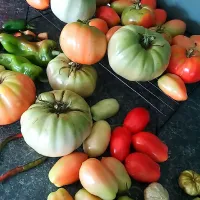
23, 168
8, 139
146, 41
83, 21
138, 5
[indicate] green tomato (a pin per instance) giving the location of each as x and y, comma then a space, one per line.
138, 54
57, 123
105, 109
64, 74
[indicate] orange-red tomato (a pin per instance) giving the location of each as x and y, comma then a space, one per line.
183, 41
161, 16
196, 40
66, 169
185, 63
17, 92
100, 24
109, 15
112, 31
173, 86
82, 43
39, 4
150, 3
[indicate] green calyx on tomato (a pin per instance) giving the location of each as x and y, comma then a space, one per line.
146, 41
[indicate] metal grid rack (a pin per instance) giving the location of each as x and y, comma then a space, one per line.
148, 91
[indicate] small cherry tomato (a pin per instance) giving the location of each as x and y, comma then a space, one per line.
120, 143
137, 119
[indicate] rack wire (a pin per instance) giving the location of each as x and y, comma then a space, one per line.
148, 91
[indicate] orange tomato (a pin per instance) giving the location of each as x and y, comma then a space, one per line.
112, 31
173, 86
82, 43
150, 3
161, 16
100, 24
183, 41
66, 169
17, 92
39, 4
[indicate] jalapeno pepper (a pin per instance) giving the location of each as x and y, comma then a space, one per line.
20, 64
16, 25
39, 53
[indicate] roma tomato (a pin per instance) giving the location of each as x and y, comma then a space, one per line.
98, 180
151, 145
82, 43
185, 63
173, 86
39, 4
17, 92
183, 41
160, 16
137, 119
175, 27
150, 3
142, 168
120, 5
138, 14
112, 31
66, 170
109, 15
120, 143
100, 24
60, 194
83, 194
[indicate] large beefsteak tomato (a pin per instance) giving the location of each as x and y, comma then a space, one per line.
57, 123
17, 93
185, 63
138, 54
82, 43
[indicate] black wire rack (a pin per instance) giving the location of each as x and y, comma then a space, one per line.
148, 91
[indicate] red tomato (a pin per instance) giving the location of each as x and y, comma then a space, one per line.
137, 119
173, 86
120, 143
142, 168
138, 14
109, 15
112, 31
185, 63
100, 24
82, 43
150, 3
17, 93
151, 145
161, 16
183, 41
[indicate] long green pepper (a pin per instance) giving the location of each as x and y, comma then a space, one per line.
39, 53
20, 64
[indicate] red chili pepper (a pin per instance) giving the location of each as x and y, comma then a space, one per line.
137, 119
120, 143
142, 168
151, 145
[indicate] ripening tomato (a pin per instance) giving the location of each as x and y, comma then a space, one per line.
100, 24
138, 14
39, 4
137, 119
120, 5
60, 194
112, 31
150, 3
142, 168
82, 43
109, 15
160, 16
173, 86
151, 145
183, 41
120, 143
185, 63
17, 93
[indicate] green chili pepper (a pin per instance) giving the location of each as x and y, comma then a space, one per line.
39, 53
16, 25
20, 64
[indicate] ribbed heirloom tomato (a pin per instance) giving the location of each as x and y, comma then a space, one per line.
82, 43
17, 93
